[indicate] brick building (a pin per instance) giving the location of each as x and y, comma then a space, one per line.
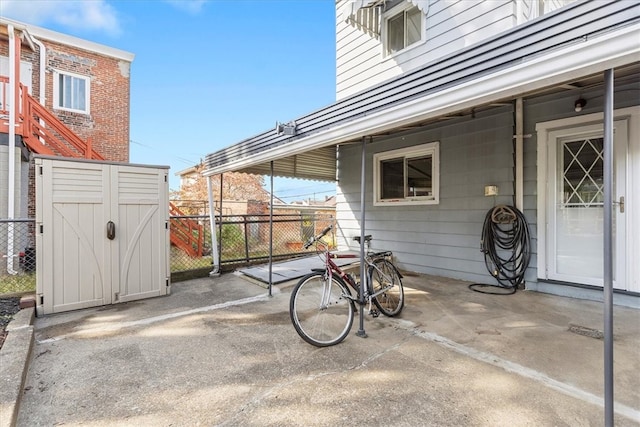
73, 100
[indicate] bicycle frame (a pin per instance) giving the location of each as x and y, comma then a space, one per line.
331, 267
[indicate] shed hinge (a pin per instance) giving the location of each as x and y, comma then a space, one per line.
167, 283
41, 299
40, 168
41, 229
166, 225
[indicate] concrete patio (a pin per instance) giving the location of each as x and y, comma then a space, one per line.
220, 351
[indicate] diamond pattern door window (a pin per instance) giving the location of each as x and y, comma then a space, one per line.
582, 173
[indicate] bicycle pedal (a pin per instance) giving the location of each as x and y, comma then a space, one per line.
374, 313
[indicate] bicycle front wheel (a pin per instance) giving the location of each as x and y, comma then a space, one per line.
320, 310
383, 275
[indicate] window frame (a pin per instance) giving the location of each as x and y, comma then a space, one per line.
402, 8
429, 149
56, 91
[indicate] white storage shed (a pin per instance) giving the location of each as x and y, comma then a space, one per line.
102, 233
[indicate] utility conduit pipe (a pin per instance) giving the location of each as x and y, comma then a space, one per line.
42, 89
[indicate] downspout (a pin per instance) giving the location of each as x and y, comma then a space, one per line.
11, 191
214, 239
43, 66
519, 196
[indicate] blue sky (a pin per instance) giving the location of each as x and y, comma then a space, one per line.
207, 74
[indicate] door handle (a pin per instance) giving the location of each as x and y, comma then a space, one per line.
620, 204
111, 230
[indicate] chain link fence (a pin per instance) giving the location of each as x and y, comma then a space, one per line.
242, 239
17, 256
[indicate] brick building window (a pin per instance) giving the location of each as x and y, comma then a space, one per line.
71, 92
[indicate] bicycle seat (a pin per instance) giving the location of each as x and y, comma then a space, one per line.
367, 238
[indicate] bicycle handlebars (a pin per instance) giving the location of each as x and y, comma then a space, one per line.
318, 237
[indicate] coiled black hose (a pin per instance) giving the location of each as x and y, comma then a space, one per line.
506, 245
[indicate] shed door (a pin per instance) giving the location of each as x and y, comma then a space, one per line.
140, 205
78, 265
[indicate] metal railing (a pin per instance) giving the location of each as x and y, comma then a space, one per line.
17, 256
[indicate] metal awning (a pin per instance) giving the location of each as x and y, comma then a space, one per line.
578, 40
366, 15
363, 14
318, 165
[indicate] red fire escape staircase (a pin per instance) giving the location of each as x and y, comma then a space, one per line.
186, 233
41, 131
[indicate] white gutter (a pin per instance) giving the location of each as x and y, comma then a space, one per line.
591, 56
11, 181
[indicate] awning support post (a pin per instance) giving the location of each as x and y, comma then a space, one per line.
220, 225
608, 247
271, 233
361, 332
215, 259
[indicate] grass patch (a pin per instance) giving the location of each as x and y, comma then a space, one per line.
18, 284
180, 261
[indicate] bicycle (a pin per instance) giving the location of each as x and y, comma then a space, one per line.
322, 305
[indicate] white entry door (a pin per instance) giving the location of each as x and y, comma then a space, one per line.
102, 234
575, 204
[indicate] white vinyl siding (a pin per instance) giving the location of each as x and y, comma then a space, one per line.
449, 26
441, 238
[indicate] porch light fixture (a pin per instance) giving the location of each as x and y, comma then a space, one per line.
286, 128
579, 104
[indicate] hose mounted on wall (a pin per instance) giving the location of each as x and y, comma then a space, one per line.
506, 246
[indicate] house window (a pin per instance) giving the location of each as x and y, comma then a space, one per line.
403, 29
407, 176
71, 92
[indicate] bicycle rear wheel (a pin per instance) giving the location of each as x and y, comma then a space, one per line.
320, 310
383, 274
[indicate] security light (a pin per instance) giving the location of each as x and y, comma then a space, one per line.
579, 104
